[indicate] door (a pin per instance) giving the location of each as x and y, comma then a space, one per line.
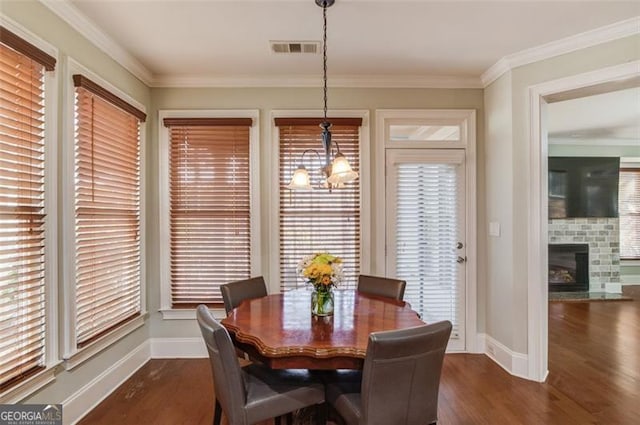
425, 232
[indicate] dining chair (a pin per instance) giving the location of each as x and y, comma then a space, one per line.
400, 379
234, 293
382, 286
255, 392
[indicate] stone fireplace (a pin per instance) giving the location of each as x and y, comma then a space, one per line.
602, 238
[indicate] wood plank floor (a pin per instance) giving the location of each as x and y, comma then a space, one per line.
594, 363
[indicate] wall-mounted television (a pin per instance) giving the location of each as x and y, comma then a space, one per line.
583, 186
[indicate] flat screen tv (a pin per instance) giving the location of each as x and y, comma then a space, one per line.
583, 186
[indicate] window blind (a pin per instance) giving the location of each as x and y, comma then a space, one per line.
629, 200
107, 212
318, 220
426, 236
210, 209
22, 212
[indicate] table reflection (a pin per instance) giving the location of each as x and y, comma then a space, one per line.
281, 331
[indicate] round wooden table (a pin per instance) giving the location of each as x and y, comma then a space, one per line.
280, 331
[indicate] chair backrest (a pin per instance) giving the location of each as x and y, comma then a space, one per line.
234, 293
227, 375
401, 375
382, 286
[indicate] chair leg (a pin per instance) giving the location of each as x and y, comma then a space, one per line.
217, 413
289, 418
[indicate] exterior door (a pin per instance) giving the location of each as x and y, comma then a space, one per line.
425, 233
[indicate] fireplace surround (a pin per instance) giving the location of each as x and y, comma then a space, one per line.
568, 267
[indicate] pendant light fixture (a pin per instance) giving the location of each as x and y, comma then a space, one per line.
338, 171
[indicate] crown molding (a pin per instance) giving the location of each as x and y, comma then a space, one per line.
562, 46
70, 14
357, 81
78, 21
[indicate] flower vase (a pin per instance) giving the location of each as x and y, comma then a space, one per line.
322, 303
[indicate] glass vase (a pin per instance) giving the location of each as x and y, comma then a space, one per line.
322, 303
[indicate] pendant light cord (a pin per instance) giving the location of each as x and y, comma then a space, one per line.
324, 56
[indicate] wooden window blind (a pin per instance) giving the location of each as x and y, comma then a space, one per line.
210, 211
319, 219
22, 212
107, 213
629, 200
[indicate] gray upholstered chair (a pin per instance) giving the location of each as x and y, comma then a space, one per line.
381, 286
253, 393
234, 293
400, 379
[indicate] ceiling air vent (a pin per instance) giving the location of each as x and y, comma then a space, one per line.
295, 46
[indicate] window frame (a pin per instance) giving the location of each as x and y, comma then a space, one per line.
24, 388
255, 151
634, 164
71, 354
365, 186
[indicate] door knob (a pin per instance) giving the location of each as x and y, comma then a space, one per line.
461, 259
459, 245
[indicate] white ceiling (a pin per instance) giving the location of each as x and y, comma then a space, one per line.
397, 39
609, 118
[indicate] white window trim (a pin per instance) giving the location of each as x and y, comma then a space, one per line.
72, 355
25, 388
169, 313
629, 162
365, 187
467, 120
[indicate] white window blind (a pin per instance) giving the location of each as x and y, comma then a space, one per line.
426, 237
210, 215
107, 211
629, 206
318, 220
22, 211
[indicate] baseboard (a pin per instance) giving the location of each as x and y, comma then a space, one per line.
177, 348
516, 364
86, 398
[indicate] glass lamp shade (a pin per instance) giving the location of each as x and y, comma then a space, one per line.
300, 179
341, 171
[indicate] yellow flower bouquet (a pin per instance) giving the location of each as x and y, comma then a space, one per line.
323, 271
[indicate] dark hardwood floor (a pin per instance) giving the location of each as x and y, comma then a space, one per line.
594, 364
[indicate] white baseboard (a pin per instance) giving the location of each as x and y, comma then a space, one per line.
177, 348
516, 364
86, 398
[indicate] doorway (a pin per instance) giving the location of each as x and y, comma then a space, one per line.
601, 81
430, 215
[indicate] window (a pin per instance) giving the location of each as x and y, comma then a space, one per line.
629, 199
209, 214
317, 220
23, 215
106, 211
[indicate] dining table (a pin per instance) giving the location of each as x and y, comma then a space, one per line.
280, 331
